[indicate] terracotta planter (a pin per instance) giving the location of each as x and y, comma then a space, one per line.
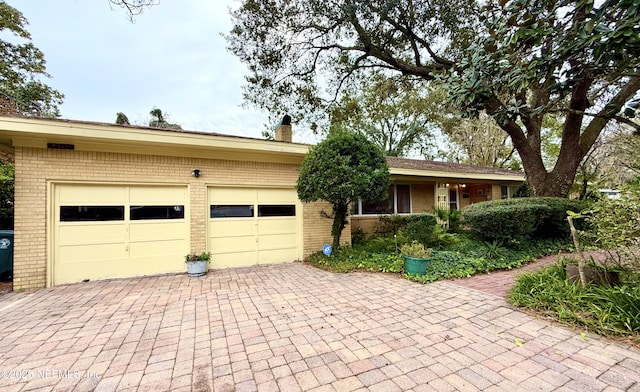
597, 276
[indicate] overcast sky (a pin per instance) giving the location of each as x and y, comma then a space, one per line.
173, 57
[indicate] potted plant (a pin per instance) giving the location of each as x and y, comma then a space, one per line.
416, 258
197, 263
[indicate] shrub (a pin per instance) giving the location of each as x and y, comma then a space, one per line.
380, 245
358, 236
420, 228
451, 218
521, 219
389, 225
616, 227
416, 250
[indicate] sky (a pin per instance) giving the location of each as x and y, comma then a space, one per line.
172, 57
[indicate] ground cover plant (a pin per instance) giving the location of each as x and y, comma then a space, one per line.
454, 255
607, 310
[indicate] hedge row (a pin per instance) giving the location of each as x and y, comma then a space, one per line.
522, 218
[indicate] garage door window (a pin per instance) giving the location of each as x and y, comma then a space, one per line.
277, 210
156, 212
231, 211
91, 213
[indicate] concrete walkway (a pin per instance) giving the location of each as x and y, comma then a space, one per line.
292, 327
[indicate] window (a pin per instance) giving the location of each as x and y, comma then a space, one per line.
156, 212
231, 211
507, 192
91, 213
403, 199
379, 207
277, 210
399, 202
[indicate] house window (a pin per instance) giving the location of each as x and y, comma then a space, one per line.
399, 202
507, 192
379, 207
156, 212
403, 199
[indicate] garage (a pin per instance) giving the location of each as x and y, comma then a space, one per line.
249, 226
115, 231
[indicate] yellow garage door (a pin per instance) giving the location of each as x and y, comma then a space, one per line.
115, 231
249, 226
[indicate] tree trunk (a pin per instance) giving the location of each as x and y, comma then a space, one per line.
556, 183
339, 222
576, 242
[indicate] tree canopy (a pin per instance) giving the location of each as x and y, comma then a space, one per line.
341, 169
22, 66
519, 61
158, 120
391, 111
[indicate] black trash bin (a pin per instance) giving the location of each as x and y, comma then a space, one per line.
6, 254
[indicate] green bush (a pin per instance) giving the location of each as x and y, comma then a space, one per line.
389, 225
358, 236
607, 310
420, 228
521, 219
616, 227
381, 244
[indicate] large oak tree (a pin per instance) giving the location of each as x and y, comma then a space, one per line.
519, 61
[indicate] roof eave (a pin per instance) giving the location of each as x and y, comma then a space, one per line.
460, 175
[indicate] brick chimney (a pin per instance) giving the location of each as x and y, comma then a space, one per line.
284, 132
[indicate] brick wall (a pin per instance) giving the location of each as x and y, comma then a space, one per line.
365, 223
422, 198
317, 228
35, 168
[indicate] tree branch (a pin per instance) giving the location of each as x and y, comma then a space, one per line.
610, 110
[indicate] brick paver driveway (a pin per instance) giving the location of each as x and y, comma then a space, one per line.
293, 327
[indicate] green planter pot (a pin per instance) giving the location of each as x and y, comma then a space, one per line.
415, 266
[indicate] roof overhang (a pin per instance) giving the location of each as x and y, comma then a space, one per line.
101, 137
38, 133
453, 176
